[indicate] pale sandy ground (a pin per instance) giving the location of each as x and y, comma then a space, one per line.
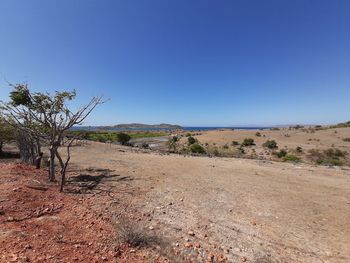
327, 138
256, 210
286, 139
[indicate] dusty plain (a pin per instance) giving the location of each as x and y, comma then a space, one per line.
212, 209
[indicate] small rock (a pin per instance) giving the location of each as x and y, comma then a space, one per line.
27, 246
188, 245
191, 233
151, 227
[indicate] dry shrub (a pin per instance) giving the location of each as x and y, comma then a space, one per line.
327, 157
135, 234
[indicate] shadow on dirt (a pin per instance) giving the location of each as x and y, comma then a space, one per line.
90, 179
9, 155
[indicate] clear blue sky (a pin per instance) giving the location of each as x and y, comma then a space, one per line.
189, 62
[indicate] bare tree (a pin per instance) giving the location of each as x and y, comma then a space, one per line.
48, 118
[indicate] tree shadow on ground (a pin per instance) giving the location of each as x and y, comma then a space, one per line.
9, 155
89, 180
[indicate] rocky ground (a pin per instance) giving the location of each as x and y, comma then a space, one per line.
39, 224
237, 209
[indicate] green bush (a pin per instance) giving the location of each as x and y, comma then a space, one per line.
271, 144
191, 140
248, 142
123, 138
281, 153
291, 158
196, 148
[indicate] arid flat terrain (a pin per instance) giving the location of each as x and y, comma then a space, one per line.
128, 204
250, 210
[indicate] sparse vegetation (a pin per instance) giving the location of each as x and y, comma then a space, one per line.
191, 140
281, 153
135, 234
346, 139
291, 158
258, 134
341, 125
271, 144
234, 143
123, 138
331, 156
173, 143
299, 149
196, 148
248, 142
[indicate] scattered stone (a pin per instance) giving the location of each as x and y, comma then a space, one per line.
188, 245
191, 233
27, 246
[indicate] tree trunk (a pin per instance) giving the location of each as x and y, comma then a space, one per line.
38, 161
52, 165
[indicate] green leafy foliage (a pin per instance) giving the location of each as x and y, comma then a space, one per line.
271, 144
196, 148
123, 138
291, 158
248, 142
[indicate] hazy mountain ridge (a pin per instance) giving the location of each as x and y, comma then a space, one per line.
143, 126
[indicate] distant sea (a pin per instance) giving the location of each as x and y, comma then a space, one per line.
194, 128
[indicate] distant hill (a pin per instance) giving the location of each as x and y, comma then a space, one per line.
134, 126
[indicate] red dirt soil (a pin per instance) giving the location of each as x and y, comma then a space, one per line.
41, 224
